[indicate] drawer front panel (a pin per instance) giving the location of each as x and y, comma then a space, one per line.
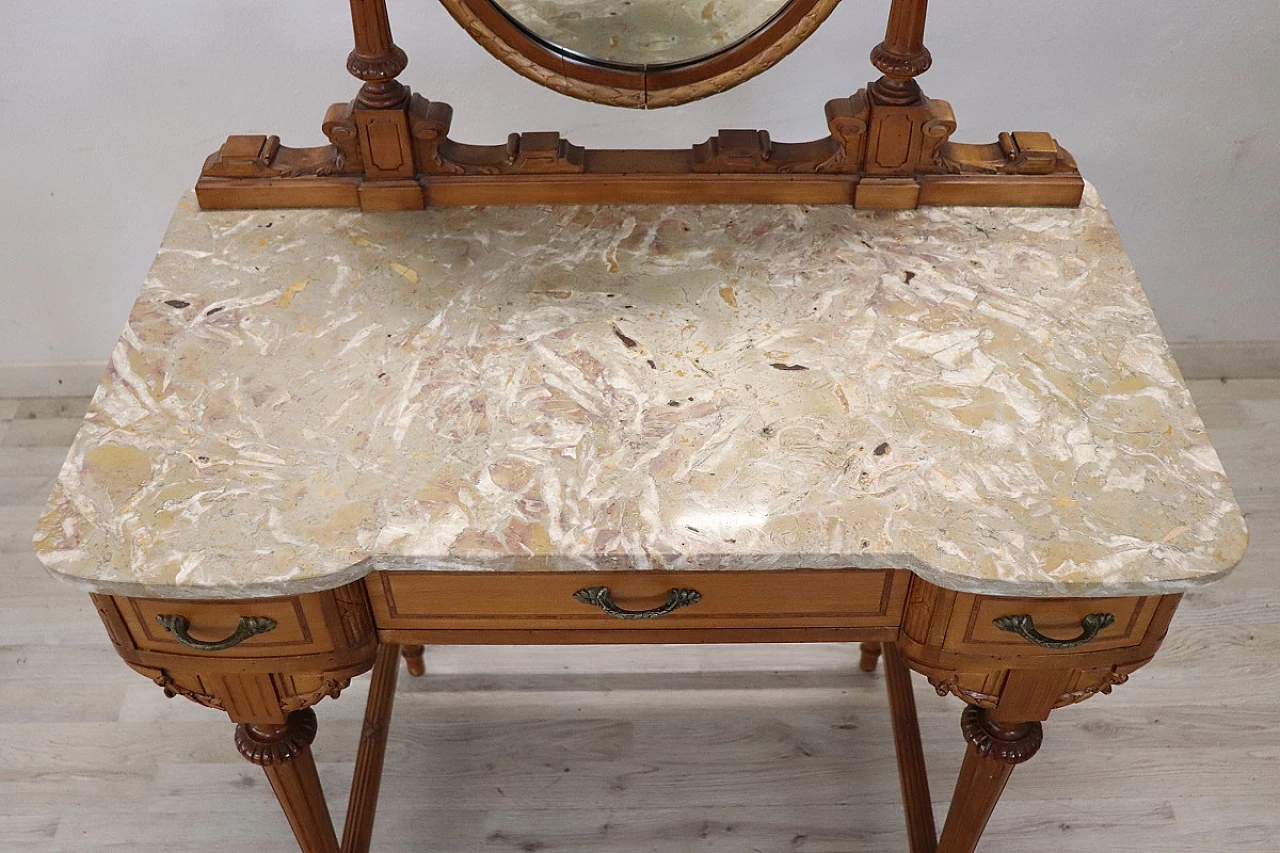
973, 627
478, 600
299, 629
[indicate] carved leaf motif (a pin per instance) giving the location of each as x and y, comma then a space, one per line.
973, 697
899, 65
376, 68
635, 98
330, 687
761, 62
1109, 681
989, 701
523, 65
172, 688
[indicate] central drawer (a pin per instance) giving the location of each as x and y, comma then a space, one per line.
827, 598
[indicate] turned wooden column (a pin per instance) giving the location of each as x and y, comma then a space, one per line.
380, 115
376, 59
902, 56
284, 752
995, 748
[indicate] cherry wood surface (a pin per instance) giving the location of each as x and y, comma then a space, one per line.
1009, 685
357, 832
888, 148
973, 622
729, 599
916, 801
888, 145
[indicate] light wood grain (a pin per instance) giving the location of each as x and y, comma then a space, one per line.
604, 749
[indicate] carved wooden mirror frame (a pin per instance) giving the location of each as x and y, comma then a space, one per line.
889, 146
644, 89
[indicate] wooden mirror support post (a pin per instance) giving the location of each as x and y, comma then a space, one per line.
888, 148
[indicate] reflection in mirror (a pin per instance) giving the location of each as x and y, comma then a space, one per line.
641, 33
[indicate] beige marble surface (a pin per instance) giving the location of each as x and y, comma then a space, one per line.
980, 395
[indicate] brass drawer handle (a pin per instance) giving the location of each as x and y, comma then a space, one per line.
248, 627
601, 597
1025, 627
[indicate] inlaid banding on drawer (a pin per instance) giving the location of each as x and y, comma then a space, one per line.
974, 625
798, 598
209, 620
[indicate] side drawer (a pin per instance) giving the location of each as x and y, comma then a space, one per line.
828, 598
973, 627
304, 624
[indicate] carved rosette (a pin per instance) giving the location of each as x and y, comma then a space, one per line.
270, 745
1008, 743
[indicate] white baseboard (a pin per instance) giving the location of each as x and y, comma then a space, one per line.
50, 378
1198, 360
1228, 359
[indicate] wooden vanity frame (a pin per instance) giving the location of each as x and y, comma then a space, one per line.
889, 146
317, 642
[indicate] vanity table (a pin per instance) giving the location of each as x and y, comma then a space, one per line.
955, 433
605, 410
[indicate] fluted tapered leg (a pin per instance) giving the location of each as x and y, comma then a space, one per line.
916, 801
995, 748
363, 802
284, 753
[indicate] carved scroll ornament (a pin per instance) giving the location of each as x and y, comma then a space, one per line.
888, 146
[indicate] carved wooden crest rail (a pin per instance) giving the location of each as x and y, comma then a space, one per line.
889, 145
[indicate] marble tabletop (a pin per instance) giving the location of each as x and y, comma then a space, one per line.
980, 395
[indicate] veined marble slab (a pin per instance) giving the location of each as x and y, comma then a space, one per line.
980, 395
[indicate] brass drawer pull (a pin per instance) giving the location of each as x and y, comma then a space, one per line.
601, 597
248, 627
1025, 627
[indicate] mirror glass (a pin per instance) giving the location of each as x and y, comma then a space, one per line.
640, 34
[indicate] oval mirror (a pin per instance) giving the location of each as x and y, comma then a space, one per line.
640, 53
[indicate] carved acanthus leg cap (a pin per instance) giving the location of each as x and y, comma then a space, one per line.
1011, 743
270, 745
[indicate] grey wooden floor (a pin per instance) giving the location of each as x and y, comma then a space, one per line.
734, 749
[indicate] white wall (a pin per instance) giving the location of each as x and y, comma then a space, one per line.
1172, 108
